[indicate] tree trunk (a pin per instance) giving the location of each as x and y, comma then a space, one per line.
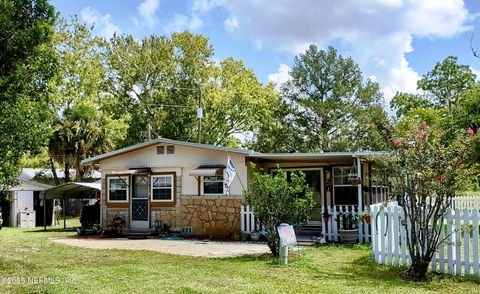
54, 172
418, 269
272, 241
66, 179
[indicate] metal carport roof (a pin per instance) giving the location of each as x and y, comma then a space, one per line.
75, 190
70, 190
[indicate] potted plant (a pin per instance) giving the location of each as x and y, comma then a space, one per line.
349, 231
354, 179
364, 217
255, 235
326, 216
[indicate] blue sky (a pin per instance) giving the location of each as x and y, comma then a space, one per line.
393, 41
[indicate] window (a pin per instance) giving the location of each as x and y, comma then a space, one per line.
344, 192
162, 188
118, 189
170, 149
213, 185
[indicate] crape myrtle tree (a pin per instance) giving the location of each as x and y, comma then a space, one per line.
426, 167
277, 199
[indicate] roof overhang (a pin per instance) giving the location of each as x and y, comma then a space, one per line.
206, 171
77, 190
132, 171
324, 156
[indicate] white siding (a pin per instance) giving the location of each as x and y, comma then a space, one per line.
23, 201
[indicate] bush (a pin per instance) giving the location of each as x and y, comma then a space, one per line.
276, 199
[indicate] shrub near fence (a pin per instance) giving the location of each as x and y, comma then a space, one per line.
458, 255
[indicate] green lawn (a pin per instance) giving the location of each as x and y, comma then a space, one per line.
330, 269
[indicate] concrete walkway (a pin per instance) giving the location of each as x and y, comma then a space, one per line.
182, 247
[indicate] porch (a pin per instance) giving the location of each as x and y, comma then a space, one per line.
342, 182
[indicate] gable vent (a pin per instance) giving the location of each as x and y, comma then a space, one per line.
160, 149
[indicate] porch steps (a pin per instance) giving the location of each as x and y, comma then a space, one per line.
309, 233
137, 233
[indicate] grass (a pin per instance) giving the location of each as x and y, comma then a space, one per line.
28, 254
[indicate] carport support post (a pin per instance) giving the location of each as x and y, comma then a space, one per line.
64, 219
44, 212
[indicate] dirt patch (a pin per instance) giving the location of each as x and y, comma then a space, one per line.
182, 247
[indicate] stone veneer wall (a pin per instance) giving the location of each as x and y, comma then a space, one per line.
211, 215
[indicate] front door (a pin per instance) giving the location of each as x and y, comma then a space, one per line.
139, 207
314, 181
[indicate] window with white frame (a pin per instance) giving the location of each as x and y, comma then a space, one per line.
118, 189
212, 185
344, 192
162, 188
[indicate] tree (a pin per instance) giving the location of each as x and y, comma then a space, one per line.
446, 81
425, 169
235, 103
80, 127
402, 103
161, 81
27, 63
158, 81
275, 200
331, 106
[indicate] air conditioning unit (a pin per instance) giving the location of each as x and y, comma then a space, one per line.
186, 230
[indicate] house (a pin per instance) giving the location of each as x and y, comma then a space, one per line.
180, 184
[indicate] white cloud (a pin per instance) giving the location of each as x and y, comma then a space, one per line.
281, 76
102, 22
204, 6
182, 22
231, 24
376, 33
147, 10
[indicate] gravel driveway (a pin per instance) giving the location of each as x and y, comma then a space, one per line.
182, 247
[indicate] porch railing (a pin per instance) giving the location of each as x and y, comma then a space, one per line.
330, 227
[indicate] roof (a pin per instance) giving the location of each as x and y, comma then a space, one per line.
248, 153
96, 159
29, 173
72, 190
26, 185
317, 156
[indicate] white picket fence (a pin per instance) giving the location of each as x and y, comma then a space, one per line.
458, 255
469, 202
249, 223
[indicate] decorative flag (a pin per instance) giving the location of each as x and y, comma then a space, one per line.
230, 173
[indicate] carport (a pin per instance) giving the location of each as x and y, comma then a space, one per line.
71, 190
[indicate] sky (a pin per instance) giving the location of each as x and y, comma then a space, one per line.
394, 42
